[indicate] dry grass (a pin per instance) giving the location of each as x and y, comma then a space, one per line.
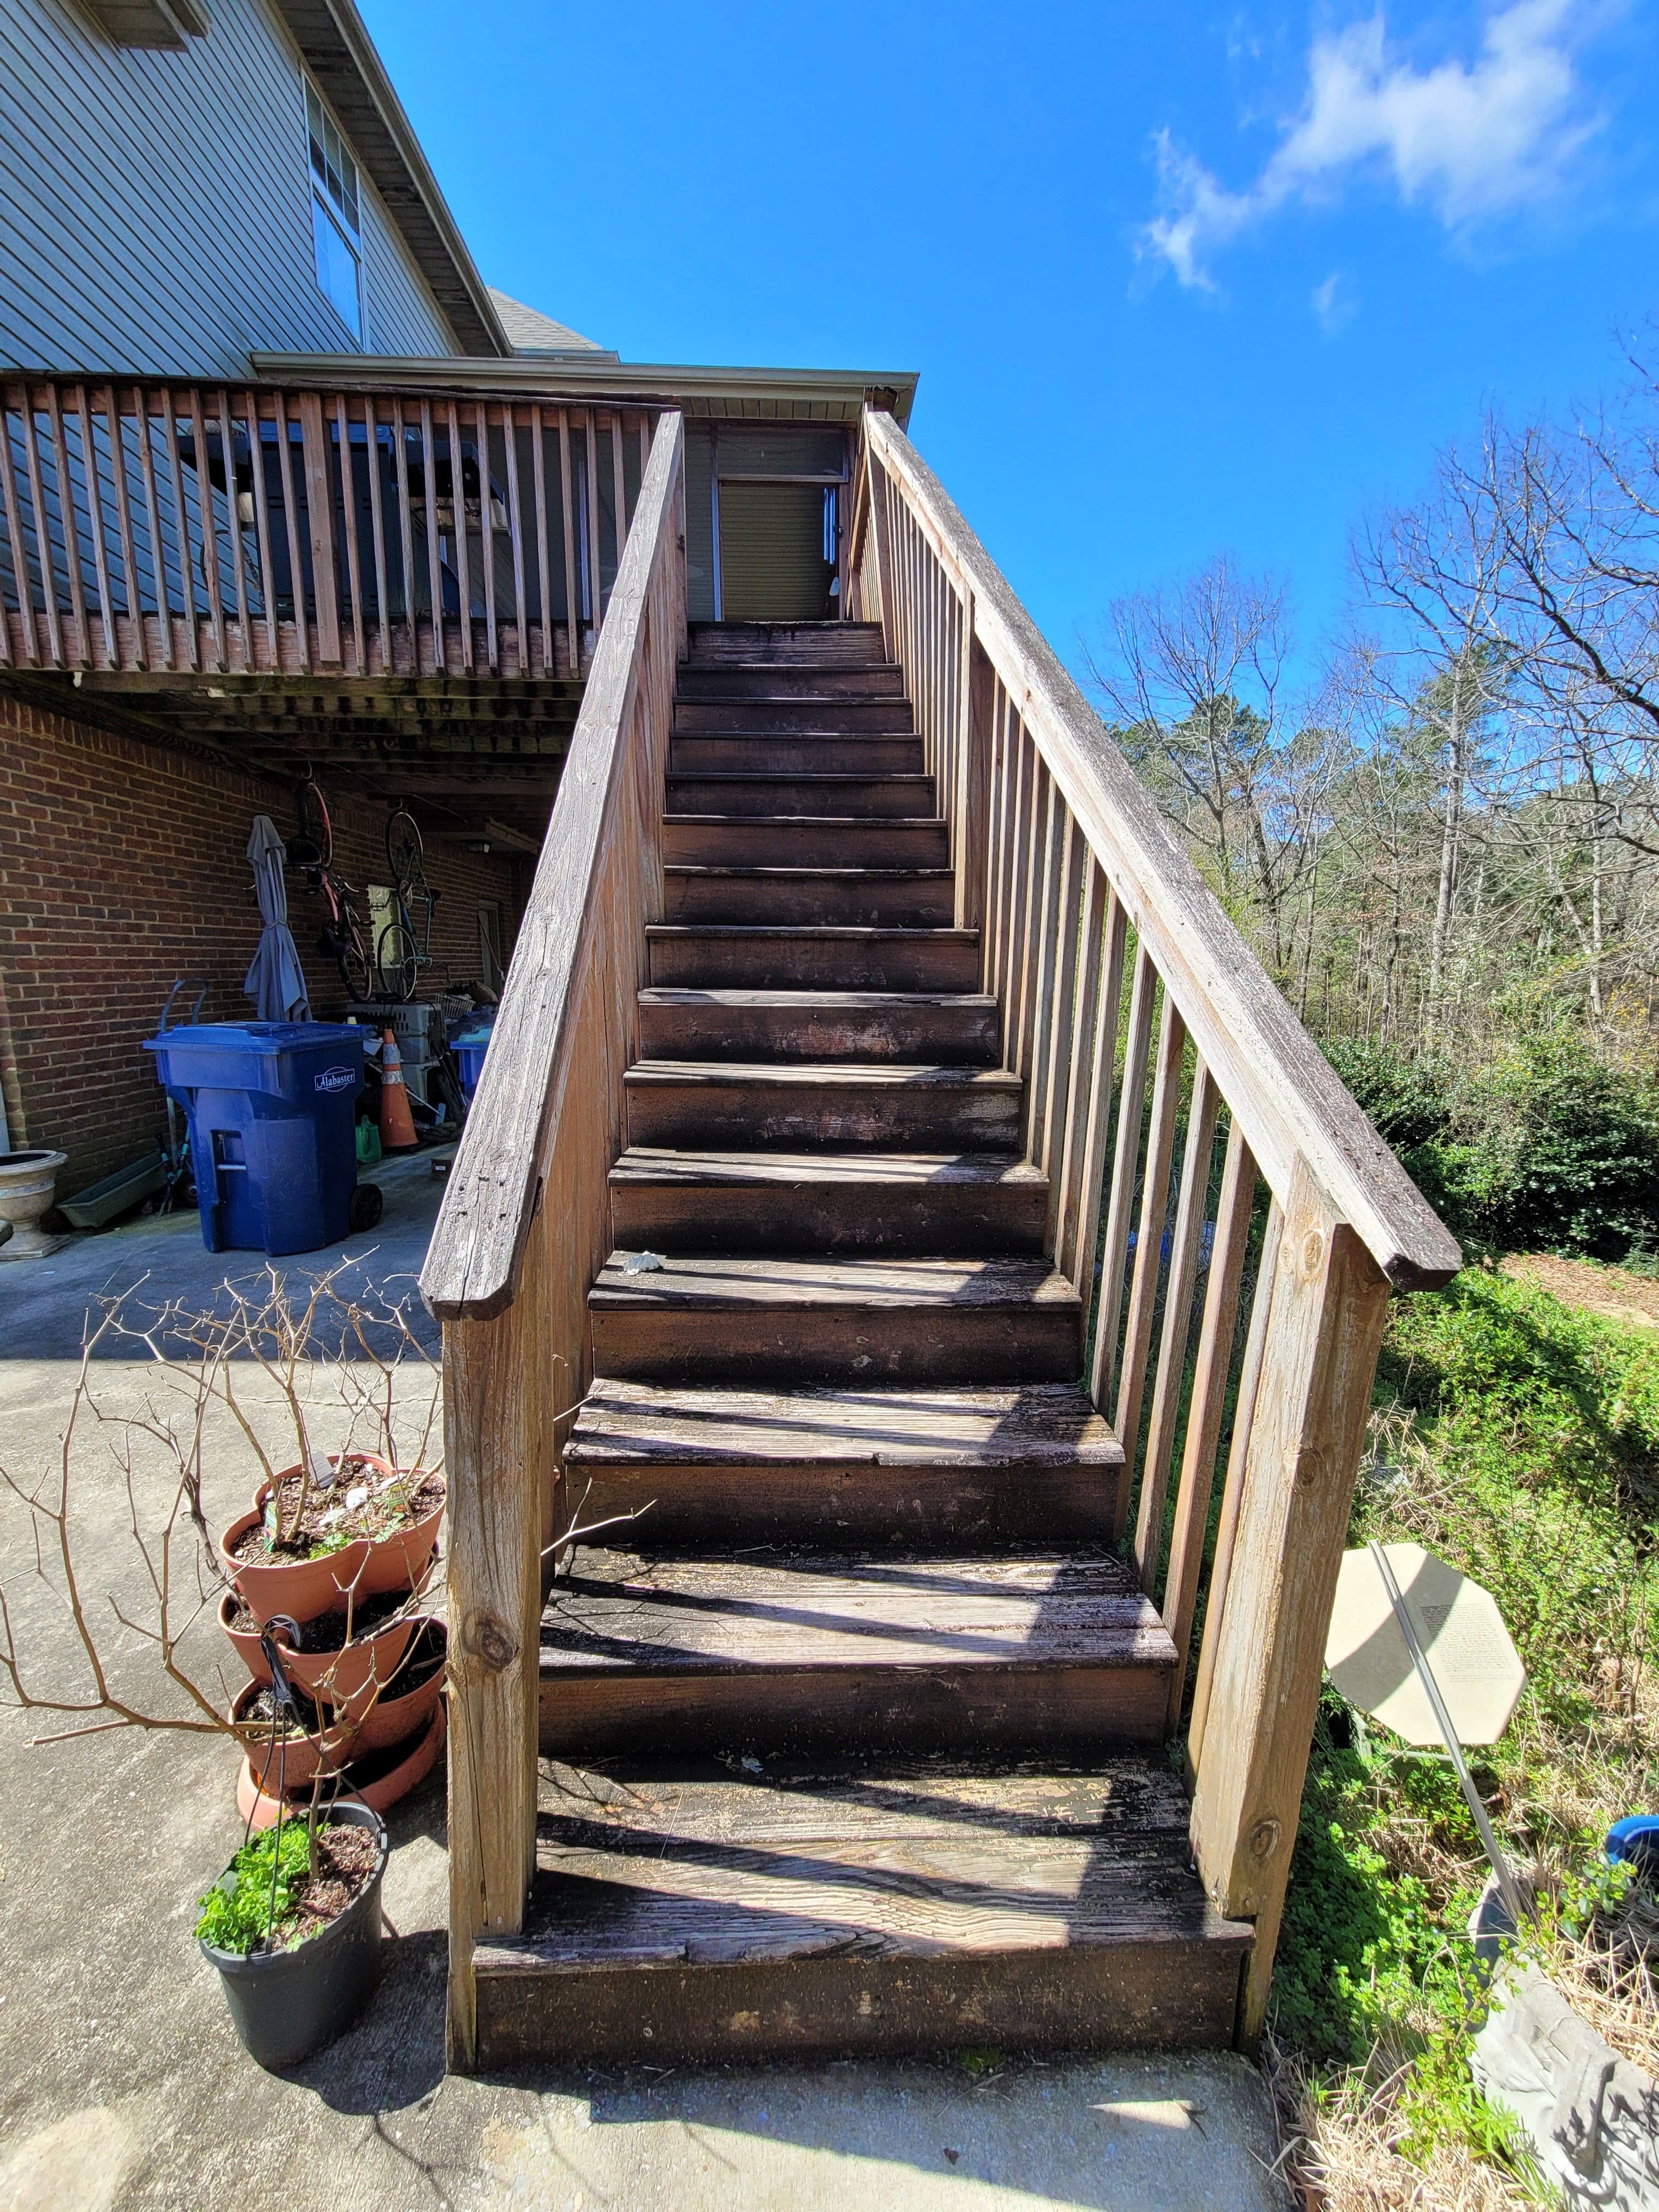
1613, 1293
1337, 2151
1612, 1979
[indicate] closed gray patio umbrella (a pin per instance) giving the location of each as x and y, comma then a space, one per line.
276, 982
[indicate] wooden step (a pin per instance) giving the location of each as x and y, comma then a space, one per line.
936, 1203
823, 679
811, 755
881, 798
715, 1105
814, 958
764, 1319
784, 645
964, 1468
946, 1029
832, 897
793, 1651
836, 717
714, 840
701, 1915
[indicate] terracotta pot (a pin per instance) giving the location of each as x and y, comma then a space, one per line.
385, 1790
303, 1587
297, 1758
348, 1679
398, 1712
396, 1562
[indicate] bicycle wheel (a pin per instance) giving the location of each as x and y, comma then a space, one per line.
399, 963
404, 848
356, 971
315, 829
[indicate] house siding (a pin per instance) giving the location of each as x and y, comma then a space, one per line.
156, 210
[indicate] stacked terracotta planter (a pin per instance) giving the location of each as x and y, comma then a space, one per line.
377, 1718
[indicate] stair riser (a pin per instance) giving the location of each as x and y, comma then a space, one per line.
836, 899
836, 718
773, 644
856, 756
881, 798
810, 963
932, 1509
766, 1349
829, 681
942, 1221
1076, 1710
1164, 1995
702, 843
942, 1035
711, 1116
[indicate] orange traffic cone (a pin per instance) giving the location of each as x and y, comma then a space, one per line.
397, 1123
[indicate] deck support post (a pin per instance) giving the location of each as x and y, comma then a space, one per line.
497, 1440
1324, 1327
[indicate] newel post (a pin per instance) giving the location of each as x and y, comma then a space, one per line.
1324, 1327
497, 1440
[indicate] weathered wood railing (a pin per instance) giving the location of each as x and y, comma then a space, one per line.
265, 532
1062, 859
526, 1220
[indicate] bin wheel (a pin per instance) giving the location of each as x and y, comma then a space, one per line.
367, 1205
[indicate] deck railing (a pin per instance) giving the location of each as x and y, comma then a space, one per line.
190, 528
525, 1226
1195, 1139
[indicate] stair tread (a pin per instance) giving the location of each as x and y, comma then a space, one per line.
916, 1859
793, 1611
1010, 1424
805, 1074
809, 933
662, 1164
742, 873
671, 820
805, 1002
720, 1282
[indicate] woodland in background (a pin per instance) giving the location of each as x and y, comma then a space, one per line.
1445, 847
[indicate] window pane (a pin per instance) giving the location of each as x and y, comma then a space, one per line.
337, 268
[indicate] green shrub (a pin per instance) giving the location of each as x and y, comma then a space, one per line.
1540, 1146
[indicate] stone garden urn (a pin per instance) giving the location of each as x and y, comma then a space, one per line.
28, 1182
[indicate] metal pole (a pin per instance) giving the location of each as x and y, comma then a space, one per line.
1508, 1888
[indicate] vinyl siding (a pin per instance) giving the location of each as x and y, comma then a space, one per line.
155, 209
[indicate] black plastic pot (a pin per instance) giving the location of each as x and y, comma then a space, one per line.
286, 2004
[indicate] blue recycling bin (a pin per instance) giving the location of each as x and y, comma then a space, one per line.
469, 1048
272, 1107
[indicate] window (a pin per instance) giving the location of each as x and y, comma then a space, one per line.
336, 224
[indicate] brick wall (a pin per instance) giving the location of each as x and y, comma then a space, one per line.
122, 866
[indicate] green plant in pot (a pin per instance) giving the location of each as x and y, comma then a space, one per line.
292, 1924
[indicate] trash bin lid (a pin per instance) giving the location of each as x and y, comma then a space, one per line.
253, 1036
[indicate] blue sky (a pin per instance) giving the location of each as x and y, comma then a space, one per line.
1175, 280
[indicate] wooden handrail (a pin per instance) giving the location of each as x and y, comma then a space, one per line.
1275, 1078
1061, 857
472, 1264
525, 1221
365, 528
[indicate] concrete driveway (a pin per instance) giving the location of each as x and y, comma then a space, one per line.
122, 2084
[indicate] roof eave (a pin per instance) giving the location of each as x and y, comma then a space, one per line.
338, 52
698, 387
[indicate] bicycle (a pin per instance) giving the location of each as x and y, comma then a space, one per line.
312, 850
401, 954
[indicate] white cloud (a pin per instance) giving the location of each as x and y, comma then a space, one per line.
1468, 141
1333, 304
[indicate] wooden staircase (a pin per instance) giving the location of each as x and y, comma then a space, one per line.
982, 1434
878, 1708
